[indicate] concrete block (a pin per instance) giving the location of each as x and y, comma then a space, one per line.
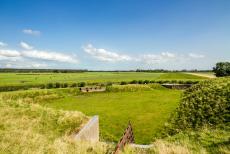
90, 132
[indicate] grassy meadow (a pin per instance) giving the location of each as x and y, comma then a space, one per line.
147, 109
8, 79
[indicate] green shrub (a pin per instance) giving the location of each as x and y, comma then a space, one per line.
206, 103
140, 82
65, 85
57, 85
123, 83
73, 85
146, 82
134, 82
49, 85
81, 84
109, 84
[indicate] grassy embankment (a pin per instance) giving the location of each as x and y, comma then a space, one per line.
26, 127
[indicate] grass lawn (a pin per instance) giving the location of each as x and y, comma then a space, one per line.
43, 78
147, 111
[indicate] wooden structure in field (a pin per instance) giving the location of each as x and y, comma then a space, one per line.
127, 138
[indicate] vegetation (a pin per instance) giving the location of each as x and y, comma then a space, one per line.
222, 69
26, 127
206, 103
15, 79
147, 107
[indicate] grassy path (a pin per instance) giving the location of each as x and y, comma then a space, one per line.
205, 74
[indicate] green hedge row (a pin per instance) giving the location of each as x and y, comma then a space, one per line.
159, 81
42, 86
82, 84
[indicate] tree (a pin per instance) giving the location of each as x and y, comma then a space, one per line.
222, 69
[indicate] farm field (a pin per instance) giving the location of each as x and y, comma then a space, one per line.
7, 79
147, 111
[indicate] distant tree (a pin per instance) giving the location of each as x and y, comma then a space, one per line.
222, 69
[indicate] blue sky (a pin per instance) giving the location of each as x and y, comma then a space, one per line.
114, 34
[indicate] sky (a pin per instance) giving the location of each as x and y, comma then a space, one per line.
114, 34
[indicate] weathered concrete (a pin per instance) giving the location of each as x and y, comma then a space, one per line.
141, 146
90, 132
177, 86
92, 89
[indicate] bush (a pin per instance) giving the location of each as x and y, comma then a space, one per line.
146, 81
206, 103
140, 82
49, 85
81, 84
109, 84
123, 83
134, 82
65, 85
73, 85
57, 85
222, 69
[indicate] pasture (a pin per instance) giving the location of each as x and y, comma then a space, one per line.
8, 79
147, 109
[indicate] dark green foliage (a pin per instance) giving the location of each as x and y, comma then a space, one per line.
206, 103
73, 85
109, 84
134, 82
49, 85
146, 82
65, 85
81, 84
57, 85
123, 83
140, 81
222, 69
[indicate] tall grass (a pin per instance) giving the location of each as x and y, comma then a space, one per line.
26, 127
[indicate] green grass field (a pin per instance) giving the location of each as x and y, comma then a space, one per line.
147, 111
42, 78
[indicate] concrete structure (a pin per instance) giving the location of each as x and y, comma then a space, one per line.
90, 132
92, 89
177, 86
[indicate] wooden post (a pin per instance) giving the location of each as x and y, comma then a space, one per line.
127, 138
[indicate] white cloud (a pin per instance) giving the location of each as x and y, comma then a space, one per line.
12, 55
39, 65
105, 55
53, 56
31, 32
9, 53
2, 44
158, 58
196, 56
25, 46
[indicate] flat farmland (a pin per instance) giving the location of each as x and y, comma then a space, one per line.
90, 77
147, 110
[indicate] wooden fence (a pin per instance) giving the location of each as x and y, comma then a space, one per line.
127, 138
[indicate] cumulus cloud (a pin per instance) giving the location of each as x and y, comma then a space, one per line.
158, 58
30, 52
105, 55
25, 46
31, 32
9, 53
53, 56
196, 56
2, 44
